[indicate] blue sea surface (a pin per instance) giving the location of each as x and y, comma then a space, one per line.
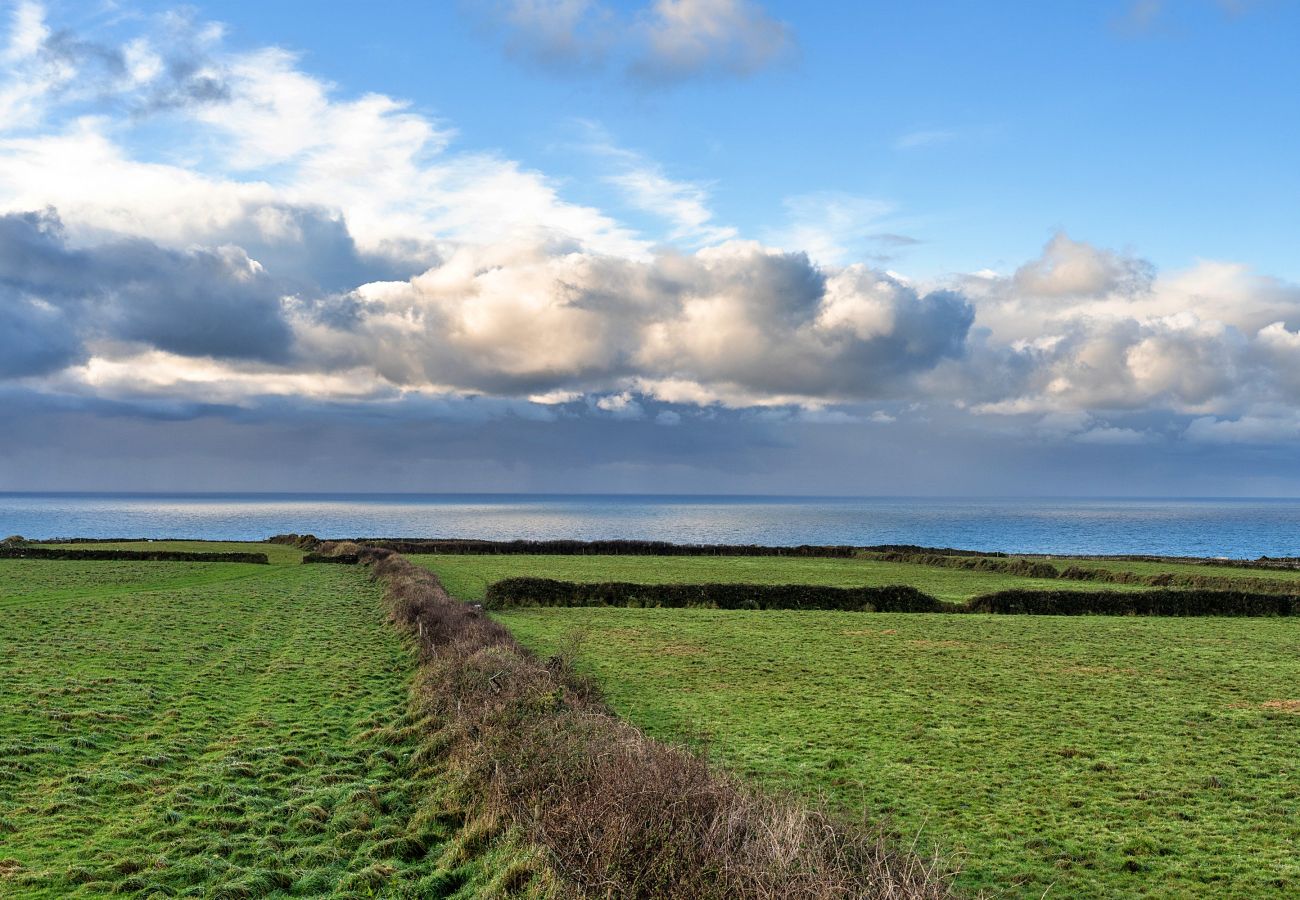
1239, 528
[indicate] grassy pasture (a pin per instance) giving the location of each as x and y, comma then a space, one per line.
211, 729
1094, 756
1142, 567
468, 577
276, 554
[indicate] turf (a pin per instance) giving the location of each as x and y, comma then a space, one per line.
211, 729
468, 577
1091, 756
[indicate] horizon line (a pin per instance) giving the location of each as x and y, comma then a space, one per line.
636, 494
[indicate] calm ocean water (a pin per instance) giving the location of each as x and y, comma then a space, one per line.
1210, 527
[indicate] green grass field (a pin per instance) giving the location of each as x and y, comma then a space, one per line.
1090, 756
1142, 567
468, 577
211, 729
276, 554
1093, 756
235, 730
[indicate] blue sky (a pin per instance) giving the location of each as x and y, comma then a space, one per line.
662, 244
984, 126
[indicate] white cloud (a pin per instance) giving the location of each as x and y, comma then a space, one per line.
663, 42
274, 135
685, 38
283, 238
729, 322
914, 140
564, 33
644, 186
833, 227
27, 33
1073, 268
683, 204
1082, 328
620, 406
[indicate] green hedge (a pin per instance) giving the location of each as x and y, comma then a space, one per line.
599, 548
468, 546
347, 559
130, 555
1135, 603
1037, 568
1026, 568
525, 592
516, 592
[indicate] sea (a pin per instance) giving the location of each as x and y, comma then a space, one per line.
1214, 527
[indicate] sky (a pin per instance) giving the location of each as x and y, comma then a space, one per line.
683, 246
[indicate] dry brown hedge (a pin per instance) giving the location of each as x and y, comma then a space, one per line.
620, 815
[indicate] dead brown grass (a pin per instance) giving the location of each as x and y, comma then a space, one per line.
1291, 706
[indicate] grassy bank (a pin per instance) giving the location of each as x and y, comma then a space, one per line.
1093, 756
216, 730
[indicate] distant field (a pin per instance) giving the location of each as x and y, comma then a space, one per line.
1094, 756
469, 576
276, 554
1139, 567
209, 729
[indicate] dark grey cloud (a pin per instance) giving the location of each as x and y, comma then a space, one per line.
35, 339
216, 303
202, 303
312, 248
52, 446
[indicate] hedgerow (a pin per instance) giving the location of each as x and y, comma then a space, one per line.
976, 563
514, 592
601, 548
28, 552
528, 592
1036, 568
1135, 603
471, 547
617, 813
